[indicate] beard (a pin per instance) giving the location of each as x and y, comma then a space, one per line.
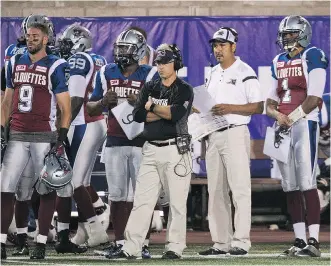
36, 48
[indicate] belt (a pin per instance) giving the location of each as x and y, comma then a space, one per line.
231, 126
163, 143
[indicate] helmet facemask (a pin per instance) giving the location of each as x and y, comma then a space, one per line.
125, 54
65, 46
288, 43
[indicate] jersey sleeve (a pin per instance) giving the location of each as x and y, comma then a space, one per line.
316, 58
60, 76
182, 103
9, 73
252, 86
98, 89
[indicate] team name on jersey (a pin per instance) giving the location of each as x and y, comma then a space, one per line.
123, 92
27, 77
163, 102
289, 72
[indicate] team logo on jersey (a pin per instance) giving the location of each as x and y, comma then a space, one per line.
126, 81
20, 67
114, 82
296, 62
41, 69
31, 66
280, 64
232, 81
135, 83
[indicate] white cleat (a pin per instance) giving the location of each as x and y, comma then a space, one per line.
96, 234
157, 224
81, 235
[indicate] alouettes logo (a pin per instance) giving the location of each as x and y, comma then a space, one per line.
114, 82
20, 67
280, 64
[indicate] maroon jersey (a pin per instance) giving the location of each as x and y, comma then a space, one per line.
35, 86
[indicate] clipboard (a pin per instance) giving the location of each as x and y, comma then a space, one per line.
282, 152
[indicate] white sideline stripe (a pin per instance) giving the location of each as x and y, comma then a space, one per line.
96, 257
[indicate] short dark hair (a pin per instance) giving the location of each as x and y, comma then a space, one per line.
142, 31
44, 29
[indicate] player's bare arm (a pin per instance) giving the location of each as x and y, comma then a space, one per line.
63, 100
310, 103
6, 106
238, 109
271, 110
109, 101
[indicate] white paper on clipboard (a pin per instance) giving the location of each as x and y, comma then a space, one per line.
123, 114
282, 152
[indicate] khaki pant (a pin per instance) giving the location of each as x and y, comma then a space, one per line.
228, 168
157, 171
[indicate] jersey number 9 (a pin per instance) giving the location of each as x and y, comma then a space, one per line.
78, 63
25, 98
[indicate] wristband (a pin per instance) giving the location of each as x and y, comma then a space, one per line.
297, 114
151, 108
62, 134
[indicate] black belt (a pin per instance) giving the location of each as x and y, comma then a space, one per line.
231, 126
162, 144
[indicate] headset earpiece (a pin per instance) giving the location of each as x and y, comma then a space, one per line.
178, 63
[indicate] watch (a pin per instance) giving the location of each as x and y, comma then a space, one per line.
151, 108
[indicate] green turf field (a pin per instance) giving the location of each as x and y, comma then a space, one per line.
260, 254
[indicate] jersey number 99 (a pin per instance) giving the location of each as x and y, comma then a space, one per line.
78, 63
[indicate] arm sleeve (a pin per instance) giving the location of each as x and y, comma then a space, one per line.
183, 100
316, 82
60, 78
98, 90
3, 79
139, 111
9, 73
273, 91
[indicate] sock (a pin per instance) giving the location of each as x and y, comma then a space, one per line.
146, 242
120, 242
314, 230
98, 203
3, 238
62, 226
41, 239
22, 230
300, 231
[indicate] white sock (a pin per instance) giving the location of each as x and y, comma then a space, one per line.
62, 226
314, 230
22, 230
146, 242
92, 219
37, 224
3, 238
98, 203
120, 242
300, 231
41, 239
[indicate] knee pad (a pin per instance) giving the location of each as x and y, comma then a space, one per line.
117, 194
23, 194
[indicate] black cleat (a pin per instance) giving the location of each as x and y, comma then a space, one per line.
235, 251
107, 250
120, 254
311, 250
100, 210
3, 251
212, 252
66, 246
39, 252
22, 248
298, 245
170, 255
145, 254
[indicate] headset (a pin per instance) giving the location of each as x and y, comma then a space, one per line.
177, 57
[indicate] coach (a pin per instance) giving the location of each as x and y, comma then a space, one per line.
234, 86
164, 106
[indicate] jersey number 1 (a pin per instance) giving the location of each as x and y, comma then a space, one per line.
287, 95
25, 98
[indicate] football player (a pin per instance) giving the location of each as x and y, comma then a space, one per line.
35, 83
86, 135
23, 195
116, 83
299, 78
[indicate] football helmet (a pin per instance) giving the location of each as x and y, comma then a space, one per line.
42, 19
129, 48
75, 39
294, 24
57, 172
